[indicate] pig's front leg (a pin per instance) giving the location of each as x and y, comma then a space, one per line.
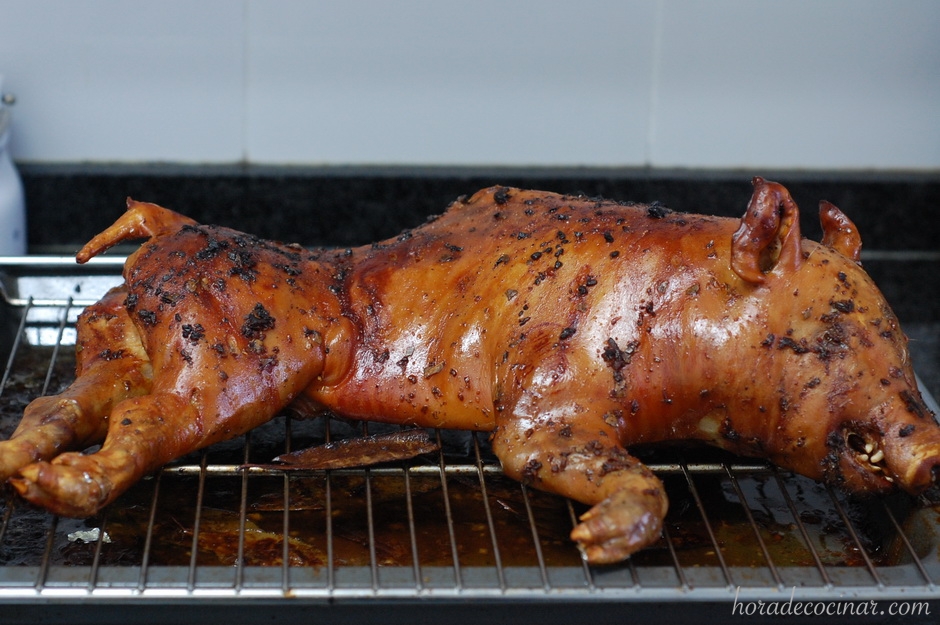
581, 458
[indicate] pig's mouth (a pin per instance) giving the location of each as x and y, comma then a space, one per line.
868, 456
858, 461
870, 463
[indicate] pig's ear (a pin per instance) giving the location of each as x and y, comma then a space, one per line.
769, 234
839, 233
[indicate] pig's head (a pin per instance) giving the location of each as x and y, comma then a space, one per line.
850, 412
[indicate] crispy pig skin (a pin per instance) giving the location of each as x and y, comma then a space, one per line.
568, 327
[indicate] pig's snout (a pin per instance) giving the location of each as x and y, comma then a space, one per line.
898, 446
914, 460
905, 455
912, 446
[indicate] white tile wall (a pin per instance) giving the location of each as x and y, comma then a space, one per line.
800, 83
427, 81
104, 80
663, 83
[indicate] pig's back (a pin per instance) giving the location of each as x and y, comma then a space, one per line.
508, 286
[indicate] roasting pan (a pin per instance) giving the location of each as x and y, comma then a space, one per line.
210, 538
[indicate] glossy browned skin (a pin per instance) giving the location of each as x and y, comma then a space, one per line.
570, 328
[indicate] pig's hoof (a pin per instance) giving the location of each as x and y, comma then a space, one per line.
14, 456
72, 485
618, 526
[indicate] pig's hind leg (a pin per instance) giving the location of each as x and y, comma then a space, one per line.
197, 398
111, 366
145, 433
582, 459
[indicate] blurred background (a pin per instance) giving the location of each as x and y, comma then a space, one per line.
803, 84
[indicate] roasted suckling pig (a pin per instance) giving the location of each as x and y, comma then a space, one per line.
570, 328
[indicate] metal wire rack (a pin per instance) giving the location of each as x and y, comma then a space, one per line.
443, 526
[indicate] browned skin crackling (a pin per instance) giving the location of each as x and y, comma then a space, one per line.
570, 328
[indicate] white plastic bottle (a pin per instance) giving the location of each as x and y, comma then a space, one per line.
12, 203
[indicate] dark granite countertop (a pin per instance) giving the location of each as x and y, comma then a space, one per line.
897, 214
347, 206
